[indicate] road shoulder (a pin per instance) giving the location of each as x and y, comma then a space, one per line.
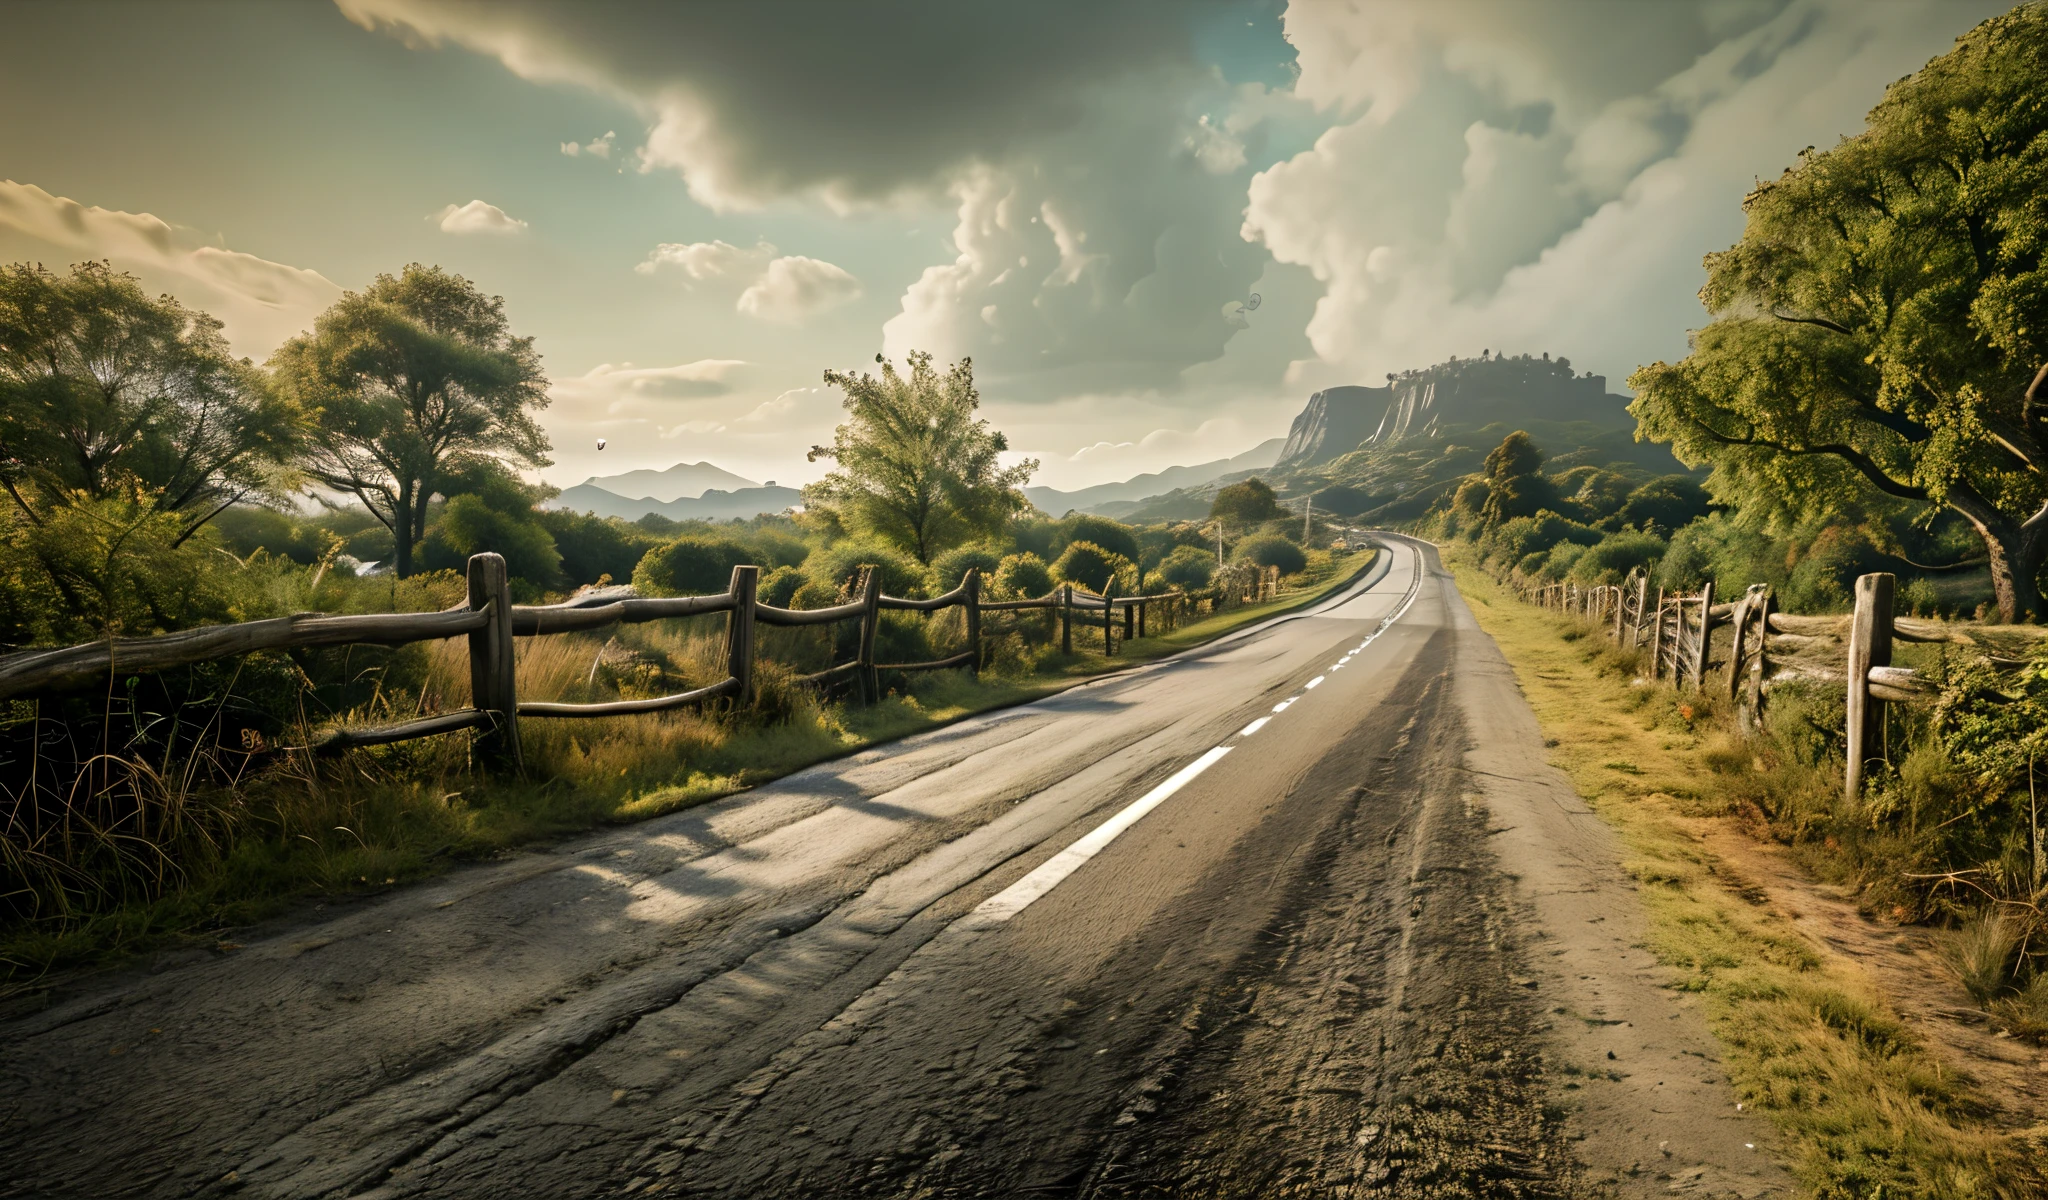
1652, 1108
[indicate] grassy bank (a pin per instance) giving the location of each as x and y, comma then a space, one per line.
1865, 1110
381, 817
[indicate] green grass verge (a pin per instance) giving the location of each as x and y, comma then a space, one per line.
1865, 1110
394, 815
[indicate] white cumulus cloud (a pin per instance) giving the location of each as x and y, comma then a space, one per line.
595, 148
795, 287
478, 217
708, 260
611, 385
260, 303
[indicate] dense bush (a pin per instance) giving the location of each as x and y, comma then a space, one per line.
593, 547
1610, 560
1187, 567
1272, 550
1518, 537
469, 525
1668, 502
690, 566
779, 587
1091, 566
839, 564
949, 568
1022, 577
1113, 536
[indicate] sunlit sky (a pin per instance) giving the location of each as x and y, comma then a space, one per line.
698, 208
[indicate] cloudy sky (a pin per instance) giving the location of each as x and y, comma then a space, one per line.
697, 209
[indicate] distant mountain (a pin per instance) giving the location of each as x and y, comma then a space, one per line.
713, 505
1112, 499
1463, 394
682, 480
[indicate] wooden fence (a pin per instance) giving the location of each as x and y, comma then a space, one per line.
490, 621
1766, 647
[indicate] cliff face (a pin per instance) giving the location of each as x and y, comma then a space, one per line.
1471, 392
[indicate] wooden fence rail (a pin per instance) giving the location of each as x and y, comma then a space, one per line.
491, 622
1676, 634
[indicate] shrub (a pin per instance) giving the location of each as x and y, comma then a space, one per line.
1113, 536
1022, 577
1095, 568
838, 566
1614, 556
1518, 537
1272, 550
690, 566
1667, 502
949, 568
779, 587
593, 547
1187, 567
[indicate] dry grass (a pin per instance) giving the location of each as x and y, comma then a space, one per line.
1865, 1109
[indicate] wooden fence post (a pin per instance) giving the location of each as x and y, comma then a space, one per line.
1635, 633
492, 687
1130, 617
1142, 605
1741, 623
1620, 611
870, 623
1066, 618
1108, 616
1700, 652
1657, 637
971, 601
739, 633
1870, 645
1759, 668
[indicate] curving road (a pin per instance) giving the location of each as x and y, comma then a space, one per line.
1301, 912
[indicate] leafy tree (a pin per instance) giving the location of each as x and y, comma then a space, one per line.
1666, 502
916, 467
1023, 577
1094, 568
1248, 503
1883, 323
1610, 560
1272, 550
413, 379
1515, 486
101, 386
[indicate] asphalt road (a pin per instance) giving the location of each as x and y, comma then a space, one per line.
1299, 913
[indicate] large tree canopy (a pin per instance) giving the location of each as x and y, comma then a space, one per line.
917, 469
103, 387
413, 379
1883, 323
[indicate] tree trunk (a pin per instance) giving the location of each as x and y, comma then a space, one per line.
2016, 555
401, 534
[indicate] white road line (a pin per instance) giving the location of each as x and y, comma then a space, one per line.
1254, 727
1282, 706
1312, 683
1019, 895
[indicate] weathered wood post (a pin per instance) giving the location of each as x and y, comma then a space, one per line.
1657, 636
1066, 618
739, 633
1142, 605
1760, 666
1108, 617
1620, 612
1870, 645
1130, 618
1741, 623
1706, 642
870, 624
1635, 633
971, 601
492, 687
